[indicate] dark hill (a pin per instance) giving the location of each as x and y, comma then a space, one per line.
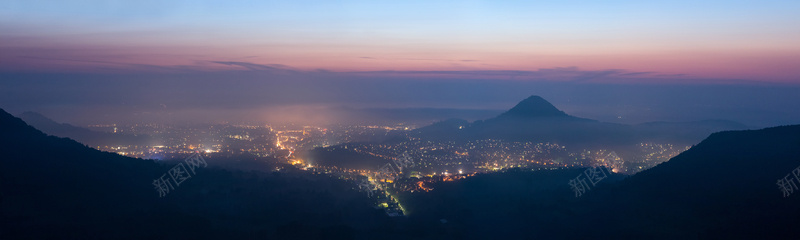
722, 188
83, 135
57, 188
742, 163
533, 107
535, 119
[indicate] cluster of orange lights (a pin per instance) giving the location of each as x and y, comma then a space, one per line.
421, 184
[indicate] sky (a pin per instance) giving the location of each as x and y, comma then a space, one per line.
611, 60
753, 40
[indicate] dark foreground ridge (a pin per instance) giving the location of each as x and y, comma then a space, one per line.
82, 135
57, 188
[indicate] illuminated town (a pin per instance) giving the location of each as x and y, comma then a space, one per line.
433, 161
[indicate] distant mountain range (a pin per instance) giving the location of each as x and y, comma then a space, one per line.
534, 119
83, 135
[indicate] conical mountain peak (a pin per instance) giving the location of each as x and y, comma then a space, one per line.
534, 106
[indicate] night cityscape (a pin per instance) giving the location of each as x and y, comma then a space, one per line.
399, 120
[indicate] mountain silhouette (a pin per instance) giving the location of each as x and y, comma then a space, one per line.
83, 135
47, 180
535, 119
730, 164
532, 107
722, 188
57, 188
